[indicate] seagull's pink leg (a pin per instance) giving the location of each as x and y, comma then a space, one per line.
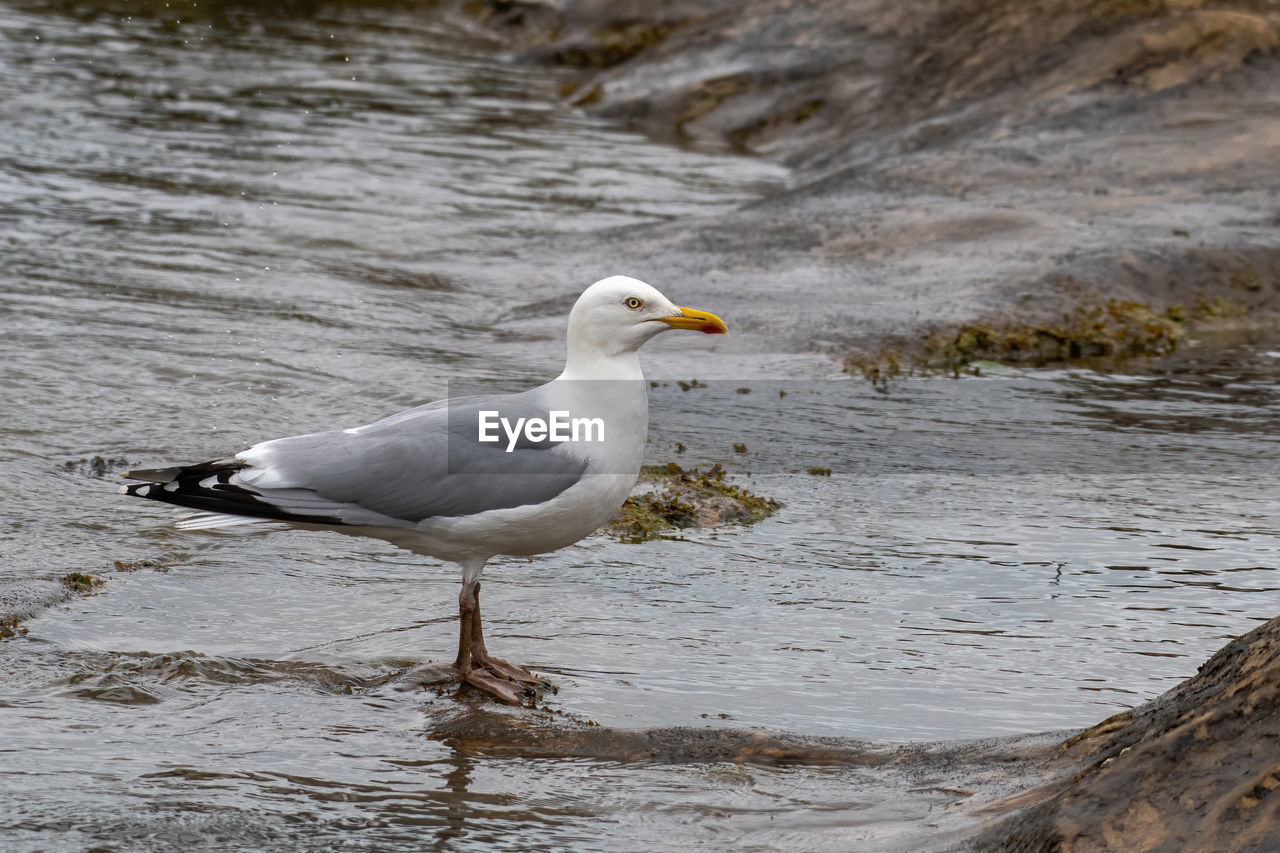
475, 669
497, 666
468, 604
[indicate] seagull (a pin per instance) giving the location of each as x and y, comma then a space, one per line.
463, 479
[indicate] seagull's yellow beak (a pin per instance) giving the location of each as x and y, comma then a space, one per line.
692, 318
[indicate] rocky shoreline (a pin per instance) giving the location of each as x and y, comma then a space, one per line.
953, 163
1194, 769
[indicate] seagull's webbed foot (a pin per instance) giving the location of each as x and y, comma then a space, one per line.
498, 687
511, 672
475, 666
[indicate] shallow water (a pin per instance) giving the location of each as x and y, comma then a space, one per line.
231, 229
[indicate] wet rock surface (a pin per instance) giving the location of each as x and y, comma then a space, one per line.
479, 728
941, 791
953, 161
21, 600
1195, 769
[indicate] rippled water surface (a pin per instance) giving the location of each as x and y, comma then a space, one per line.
237, 226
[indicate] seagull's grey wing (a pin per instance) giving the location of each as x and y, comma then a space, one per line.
424, 463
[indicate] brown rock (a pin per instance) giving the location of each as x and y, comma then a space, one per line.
1196, 769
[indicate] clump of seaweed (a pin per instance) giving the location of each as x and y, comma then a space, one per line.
1095, 331
680, 499
1115, 329
878, 366
1247, 279
1217, 308
81, 583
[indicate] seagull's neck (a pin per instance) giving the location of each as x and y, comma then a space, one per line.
596, 365
609, 387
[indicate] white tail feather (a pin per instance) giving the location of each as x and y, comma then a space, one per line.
220, 521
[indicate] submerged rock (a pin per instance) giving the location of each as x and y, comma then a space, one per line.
479, 728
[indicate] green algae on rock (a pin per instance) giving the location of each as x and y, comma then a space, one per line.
1115, 329
1218, 308
679, 499
1094, 332
81, 583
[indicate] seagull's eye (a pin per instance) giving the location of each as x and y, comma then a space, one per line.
633, 303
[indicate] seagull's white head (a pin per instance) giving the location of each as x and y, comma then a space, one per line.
616, 315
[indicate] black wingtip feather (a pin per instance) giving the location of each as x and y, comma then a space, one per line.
181, 486
153, 475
